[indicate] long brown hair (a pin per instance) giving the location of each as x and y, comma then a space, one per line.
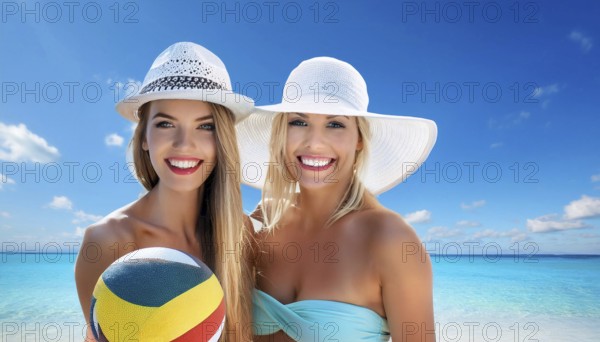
220, 227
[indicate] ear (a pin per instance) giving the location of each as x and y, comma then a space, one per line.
359, 144
145, 145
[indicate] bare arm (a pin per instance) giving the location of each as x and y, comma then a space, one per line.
94, 257
406, 282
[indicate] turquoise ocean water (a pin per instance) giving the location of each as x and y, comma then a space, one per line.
545, 298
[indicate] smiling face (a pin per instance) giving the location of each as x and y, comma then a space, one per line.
180, 139
320, 149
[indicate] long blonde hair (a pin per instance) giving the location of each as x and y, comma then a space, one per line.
279, 191
220, 227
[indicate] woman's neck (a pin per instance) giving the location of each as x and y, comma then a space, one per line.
317, 205
174, 210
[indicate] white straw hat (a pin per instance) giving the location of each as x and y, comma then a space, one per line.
187, 71
325, 85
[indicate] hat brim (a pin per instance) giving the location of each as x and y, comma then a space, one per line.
398, 145
240, 105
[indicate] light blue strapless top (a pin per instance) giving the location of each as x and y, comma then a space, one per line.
317, 320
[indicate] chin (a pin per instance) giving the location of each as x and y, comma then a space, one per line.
182, 188
322, 183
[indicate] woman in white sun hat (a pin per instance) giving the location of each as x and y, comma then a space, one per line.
184, 148
333, 262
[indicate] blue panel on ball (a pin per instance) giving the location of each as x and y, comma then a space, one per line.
93, 318
152, 282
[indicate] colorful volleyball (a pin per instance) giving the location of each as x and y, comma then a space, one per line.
157, 294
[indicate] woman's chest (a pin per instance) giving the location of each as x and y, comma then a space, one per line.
291, 268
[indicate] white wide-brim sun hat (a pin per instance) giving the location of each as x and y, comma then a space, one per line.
187, 71
328, 86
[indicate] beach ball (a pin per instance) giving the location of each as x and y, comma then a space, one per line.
157, 294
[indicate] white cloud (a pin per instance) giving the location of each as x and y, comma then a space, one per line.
585, 42
79, 231
585, 207
496, 145
522, 116
17, 143
552, 223
81, 217
515, 234
114, 83
466, 223
473, 205
546, 90
134, 84
5, 214
491, 233
545, 104
518, 237
485, 234
440, 232
419, 216
596, 178
509, 120
5, 180
61, 202
114, 140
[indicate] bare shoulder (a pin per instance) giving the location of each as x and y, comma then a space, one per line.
117, 227
248, 224
103, 243
257, 219
405, 276
385, 225
257, 214
392, 238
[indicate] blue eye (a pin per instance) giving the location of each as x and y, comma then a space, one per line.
164, 124
297, 123
335, 124
208, 126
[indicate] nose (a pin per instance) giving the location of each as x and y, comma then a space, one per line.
315, 137
183, 139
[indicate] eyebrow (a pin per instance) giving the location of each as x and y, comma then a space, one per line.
167, 116
328, 116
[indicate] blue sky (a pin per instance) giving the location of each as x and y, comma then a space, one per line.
512, 86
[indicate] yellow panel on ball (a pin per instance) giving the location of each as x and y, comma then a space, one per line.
158, 294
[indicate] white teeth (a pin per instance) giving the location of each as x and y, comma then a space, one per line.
183, 164
318, 162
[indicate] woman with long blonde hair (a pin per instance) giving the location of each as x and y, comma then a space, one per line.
334, 264
186, 155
